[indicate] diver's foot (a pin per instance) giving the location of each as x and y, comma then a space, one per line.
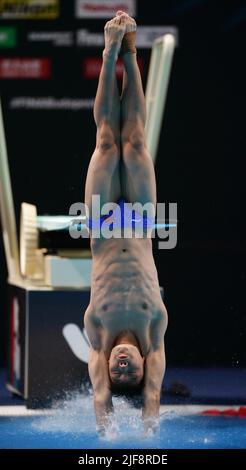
129, 40
114, 31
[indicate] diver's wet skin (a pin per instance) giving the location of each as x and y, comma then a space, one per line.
131, 24
114, 31
120, 35
129, 39
126, 319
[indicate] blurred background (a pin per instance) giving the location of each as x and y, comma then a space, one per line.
47, 85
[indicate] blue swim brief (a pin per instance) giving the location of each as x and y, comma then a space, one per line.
125, 218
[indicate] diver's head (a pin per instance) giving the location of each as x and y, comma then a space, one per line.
126, 366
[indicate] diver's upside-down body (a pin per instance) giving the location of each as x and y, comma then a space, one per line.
126, 319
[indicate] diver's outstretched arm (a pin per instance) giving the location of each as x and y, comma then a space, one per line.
98, 370
155, 366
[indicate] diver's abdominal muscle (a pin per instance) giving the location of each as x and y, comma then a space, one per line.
126, 281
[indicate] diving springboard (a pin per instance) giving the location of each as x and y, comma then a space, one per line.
157, 86
7, 212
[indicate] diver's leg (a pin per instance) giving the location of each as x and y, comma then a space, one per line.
103, 173
137, 172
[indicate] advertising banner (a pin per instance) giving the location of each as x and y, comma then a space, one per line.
103, 8
24, 68
7, 37
54, 38
92, 67
29, 9
146, 35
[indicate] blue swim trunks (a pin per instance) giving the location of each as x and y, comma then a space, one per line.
125, 218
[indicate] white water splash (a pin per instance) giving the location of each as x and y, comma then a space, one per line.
75, 417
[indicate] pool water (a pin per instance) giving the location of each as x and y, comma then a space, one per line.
71, 425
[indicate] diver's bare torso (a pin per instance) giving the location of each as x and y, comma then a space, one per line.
125, 293
125, 306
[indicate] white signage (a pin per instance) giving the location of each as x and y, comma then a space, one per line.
146, 36
50, 103
103, 8
77, 340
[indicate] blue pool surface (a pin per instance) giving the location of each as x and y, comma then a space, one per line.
71, 425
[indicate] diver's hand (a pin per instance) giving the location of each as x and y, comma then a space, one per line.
104, 424
151, 427
103, 410
150, 414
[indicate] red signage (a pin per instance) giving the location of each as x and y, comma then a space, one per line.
92, 67
24, 68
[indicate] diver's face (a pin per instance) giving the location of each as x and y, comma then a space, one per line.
126, 365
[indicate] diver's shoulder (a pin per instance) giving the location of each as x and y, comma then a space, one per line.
90, 314
160, 313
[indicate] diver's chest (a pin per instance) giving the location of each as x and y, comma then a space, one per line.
131, 317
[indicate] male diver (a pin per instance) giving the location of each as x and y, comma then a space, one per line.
126, 319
